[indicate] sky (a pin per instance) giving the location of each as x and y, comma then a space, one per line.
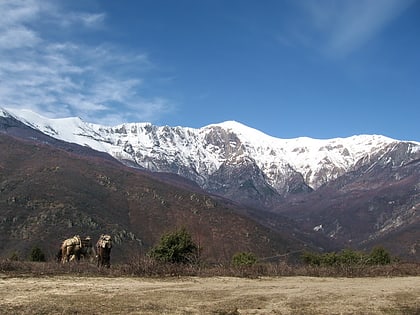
315, 68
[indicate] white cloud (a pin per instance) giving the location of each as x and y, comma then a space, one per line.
18, 12
92, 19
13, 30
69, 77
18, 37
340, 28
76, 18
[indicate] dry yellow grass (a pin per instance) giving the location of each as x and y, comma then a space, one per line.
208, 295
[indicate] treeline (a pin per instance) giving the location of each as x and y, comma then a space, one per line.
349, 257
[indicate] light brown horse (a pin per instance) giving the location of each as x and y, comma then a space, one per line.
76, 247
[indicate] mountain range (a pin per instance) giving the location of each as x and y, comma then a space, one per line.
359, 191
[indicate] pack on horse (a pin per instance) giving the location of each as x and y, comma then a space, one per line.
74, 248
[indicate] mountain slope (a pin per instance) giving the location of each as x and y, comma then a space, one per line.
377, 204
48, 194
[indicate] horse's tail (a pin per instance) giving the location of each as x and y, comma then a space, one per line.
59, 255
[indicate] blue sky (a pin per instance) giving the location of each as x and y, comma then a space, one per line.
316, 68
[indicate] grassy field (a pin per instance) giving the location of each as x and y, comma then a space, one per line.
71, 294
145, 287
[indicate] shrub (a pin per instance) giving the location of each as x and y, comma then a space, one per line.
347, 257
310, 258
175, 247
330, 259
36, 254
14, 256
244, 259
379, 256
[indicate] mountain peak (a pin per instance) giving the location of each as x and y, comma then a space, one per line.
243, 131
36, 119
230, 124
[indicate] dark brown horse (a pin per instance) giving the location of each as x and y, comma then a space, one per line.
103, 250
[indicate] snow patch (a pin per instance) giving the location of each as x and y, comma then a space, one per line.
318, 228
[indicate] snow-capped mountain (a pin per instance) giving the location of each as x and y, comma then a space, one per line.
227, 158
359, 191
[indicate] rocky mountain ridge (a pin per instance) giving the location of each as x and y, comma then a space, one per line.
229, 158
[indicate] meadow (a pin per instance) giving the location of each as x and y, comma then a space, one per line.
48, 288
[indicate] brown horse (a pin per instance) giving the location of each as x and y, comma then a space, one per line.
103, 250
74, 248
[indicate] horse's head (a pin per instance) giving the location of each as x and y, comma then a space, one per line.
105, 241
87, 242
108, 241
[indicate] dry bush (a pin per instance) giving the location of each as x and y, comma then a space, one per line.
146, 267
49, 268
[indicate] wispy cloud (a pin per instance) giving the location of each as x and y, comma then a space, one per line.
68, 77
339, 28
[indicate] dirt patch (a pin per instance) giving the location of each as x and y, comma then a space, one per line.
215, 295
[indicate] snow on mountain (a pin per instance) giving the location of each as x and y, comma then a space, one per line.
72, 129
199, 153
306, 155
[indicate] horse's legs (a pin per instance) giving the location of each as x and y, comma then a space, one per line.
67, 252
64, 255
